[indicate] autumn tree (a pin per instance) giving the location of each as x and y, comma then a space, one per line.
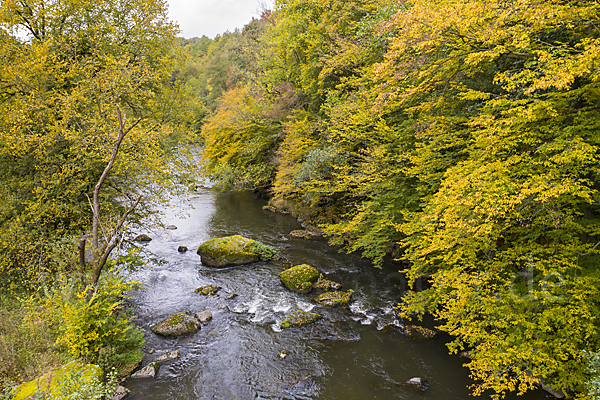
65, 65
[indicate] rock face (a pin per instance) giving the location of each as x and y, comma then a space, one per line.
327, 285
203, 316
208, 289
149, 371
177, 325
234, 250
300, 278
142, 238
59, 382
299, 318
419, 332
334, 298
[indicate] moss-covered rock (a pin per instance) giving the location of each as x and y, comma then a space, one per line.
61, 382
299, 318
177, 325
234, 250
334, 298
300, 278
208, 289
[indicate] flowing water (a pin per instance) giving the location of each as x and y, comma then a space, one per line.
354, 352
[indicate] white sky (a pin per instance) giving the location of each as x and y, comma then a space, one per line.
212, 17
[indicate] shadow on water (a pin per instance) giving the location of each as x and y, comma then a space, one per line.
355, 352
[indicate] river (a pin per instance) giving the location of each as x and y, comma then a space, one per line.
354, 352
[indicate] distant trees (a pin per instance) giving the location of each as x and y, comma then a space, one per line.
460, 136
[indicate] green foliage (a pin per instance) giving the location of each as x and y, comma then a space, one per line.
61, 85
266, 252
459, 136
92, 323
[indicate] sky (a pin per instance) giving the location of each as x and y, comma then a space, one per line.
212, 17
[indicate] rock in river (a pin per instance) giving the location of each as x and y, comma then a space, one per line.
327, 285
299, 318
234, 250
142, 238
203, 316
177, 325
419, 332
182, 249
300, 278
334, 298
208, 289
149, 371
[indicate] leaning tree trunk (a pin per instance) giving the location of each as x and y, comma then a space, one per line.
100, 254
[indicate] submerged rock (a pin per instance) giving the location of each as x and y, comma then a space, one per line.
208, 289
177, 325
419, 332
418, 383
142, 238
234, 250
327, 285
231, 296
171, 227
299, 318
304, 234
149, 371
334, 298
59, 382
203, 316
300, 278
182, 249
172, 355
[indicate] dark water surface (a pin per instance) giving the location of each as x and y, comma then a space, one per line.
352, 353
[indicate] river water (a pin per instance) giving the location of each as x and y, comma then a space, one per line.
354, 352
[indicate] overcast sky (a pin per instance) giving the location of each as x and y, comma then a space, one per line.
212, 17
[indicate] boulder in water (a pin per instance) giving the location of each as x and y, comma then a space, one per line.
299, 318
142, 238
171, 227
149, 371
300, 278
177, 325
172, 355
334, 298
182, 249
234, 250
203, 316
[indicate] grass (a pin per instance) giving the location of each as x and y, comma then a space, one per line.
27, 347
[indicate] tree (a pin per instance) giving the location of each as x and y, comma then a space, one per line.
60, 83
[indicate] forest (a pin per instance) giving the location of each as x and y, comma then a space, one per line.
456, 138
